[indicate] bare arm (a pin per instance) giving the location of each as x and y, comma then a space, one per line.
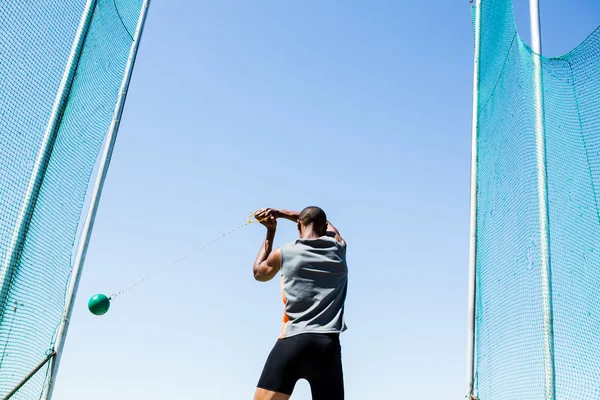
333, 232
268, 262
293, 216
287, 214
276, 213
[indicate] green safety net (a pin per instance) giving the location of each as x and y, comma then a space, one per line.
45, 173
514, 346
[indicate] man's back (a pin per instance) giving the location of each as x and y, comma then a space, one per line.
314, 285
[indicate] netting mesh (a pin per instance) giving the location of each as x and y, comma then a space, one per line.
36, 38
510, 350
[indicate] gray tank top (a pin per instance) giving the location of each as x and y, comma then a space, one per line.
314, 281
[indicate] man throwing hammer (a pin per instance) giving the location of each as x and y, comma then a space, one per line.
314, 279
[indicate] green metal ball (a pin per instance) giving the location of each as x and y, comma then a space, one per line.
99, 304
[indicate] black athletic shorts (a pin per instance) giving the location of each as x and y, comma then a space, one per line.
315, 357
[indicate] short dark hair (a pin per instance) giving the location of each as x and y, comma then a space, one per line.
314, 216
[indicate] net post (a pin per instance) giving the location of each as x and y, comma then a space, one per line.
473, 210
542, 186
8, 266
88, 225
29, 376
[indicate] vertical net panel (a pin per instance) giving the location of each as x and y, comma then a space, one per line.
509, 350
35, 42
509, 317
572, 122
37, 50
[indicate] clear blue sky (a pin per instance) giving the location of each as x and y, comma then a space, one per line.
362, 108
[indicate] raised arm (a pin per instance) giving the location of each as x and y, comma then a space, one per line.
287, 214
277, 213
333, 232
268, 262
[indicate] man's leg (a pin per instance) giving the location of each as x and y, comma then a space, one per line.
326, 376
280, 374
262, 394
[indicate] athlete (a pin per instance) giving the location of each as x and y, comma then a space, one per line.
314, 279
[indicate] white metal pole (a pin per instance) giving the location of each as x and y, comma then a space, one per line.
473, 211
39, 170
86, 231
542, 186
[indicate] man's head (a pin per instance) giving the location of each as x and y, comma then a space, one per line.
312, 221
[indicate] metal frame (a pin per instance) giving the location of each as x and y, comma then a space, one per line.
473, 210
88, 225
29, 376
542, 186
9, 264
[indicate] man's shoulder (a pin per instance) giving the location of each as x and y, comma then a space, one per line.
323, 242
333, 240
288, 244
